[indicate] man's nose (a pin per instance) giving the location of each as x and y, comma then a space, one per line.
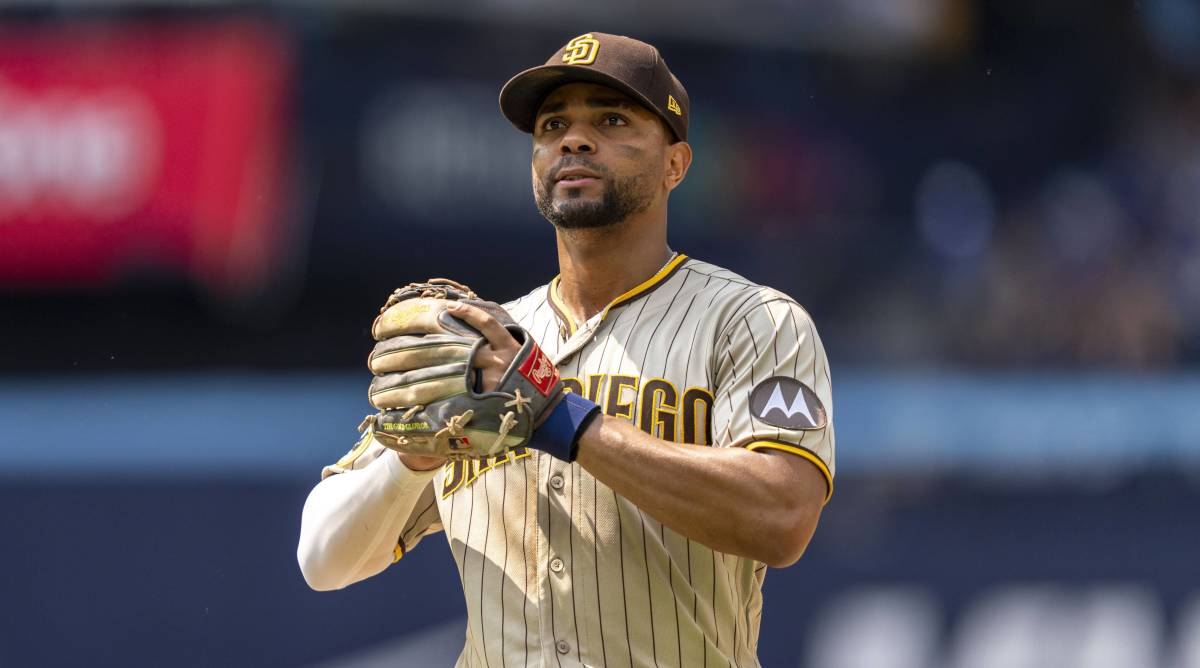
576, 140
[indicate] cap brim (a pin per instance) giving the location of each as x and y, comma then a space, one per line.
523, 94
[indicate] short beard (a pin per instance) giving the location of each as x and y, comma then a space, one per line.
622, 199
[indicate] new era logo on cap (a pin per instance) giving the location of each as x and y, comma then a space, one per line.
673, 105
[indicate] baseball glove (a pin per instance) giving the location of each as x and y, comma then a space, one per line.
427, 391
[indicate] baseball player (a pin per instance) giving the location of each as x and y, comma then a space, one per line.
697, 445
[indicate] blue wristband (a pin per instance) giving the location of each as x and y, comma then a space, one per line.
559, 434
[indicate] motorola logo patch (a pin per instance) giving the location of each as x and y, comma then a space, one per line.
787, 403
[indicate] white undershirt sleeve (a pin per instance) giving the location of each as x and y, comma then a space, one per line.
352, 520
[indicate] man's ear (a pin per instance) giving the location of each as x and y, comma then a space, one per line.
679, 159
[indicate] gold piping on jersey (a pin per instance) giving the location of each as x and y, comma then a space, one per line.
803, 452
647, 285
553, 299
398, 551
348, 459
633, 293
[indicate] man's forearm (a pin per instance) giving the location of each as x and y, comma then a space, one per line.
752, 504
351, 521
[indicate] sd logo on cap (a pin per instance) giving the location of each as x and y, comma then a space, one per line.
581, 50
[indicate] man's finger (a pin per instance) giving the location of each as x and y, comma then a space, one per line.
492, 330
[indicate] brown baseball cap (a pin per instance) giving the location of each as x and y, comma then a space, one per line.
626, 64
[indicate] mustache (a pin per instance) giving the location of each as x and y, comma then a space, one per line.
570, 162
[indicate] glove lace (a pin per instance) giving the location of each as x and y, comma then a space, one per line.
506, 424
408, 414
456, 423
520, 401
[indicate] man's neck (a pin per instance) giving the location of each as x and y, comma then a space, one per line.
598, 265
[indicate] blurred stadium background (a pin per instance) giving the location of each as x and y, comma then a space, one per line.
992, 210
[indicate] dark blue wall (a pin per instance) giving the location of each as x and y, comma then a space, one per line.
203, 572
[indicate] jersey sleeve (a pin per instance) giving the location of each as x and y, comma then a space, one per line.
772, 384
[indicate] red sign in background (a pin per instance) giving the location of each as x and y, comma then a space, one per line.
142, 147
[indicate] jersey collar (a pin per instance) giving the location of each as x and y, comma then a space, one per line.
641, 290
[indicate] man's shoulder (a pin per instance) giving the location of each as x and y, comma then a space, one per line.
742, 311
731, 294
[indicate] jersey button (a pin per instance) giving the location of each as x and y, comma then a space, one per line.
563, 646
556, 482
556, 565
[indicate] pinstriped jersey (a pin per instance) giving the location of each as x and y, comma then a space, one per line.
556, 568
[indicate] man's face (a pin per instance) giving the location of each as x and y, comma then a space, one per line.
598, 156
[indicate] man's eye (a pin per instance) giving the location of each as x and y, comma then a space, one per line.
553, 124
614, 119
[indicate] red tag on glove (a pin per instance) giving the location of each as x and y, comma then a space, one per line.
539, 370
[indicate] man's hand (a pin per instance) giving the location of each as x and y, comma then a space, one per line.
462, 381
493, 359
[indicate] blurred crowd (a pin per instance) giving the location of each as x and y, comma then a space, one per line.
997, 184
1028, 205
1098, 265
